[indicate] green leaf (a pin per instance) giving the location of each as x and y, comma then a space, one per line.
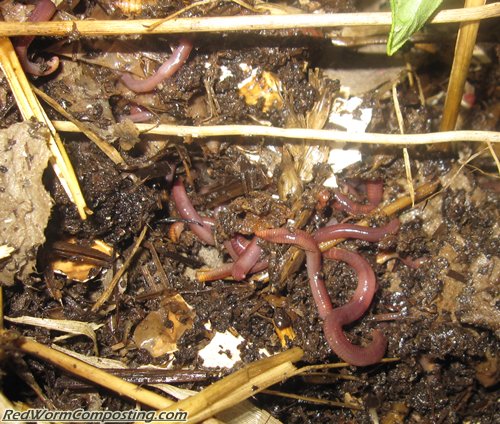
408, 16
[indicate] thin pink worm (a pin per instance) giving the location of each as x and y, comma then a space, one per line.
374, 193
232, 252
342, 231
137, 114
313, 260
187, 211
227, 270
239, 245
218, 273
43, 11
169, 68
353, 310
247, 260
414, 263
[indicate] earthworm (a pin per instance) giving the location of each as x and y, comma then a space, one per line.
218, 273
313, 260
137, 114
187, 211
413, 263
175, 231
247, 260
353, 310
249, 263
226, 270
232, 252
43, 11
374, 191
374, 194
372, 234
239, 244
170, 67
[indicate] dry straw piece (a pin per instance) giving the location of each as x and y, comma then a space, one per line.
466, 40
305, 134
230, 23
30, 108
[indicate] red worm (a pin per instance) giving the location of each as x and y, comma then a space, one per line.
187, 211
313, 260
247, 260
353, 310
175, 231
43, 11
239, 244
374, 193
137, 114
232, 252
413, 263
341, 231
228, 270
218, 273
169, 68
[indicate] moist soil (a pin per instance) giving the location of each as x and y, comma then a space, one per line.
441, 318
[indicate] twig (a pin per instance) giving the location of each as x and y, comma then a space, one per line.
109, 289
466, 40
90, 28
308, 134
30, 108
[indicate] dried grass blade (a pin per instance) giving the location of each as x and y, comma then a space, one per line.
95, 361
409, 177
30, 108
309, 399
109, 289
105, 147
494, 155
63, 325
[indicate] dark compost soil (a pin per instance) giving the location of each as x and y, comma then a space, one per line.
441, 318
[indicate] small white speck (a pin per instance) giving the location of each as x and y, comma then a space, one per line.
225, 72
248, 80
244, 67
